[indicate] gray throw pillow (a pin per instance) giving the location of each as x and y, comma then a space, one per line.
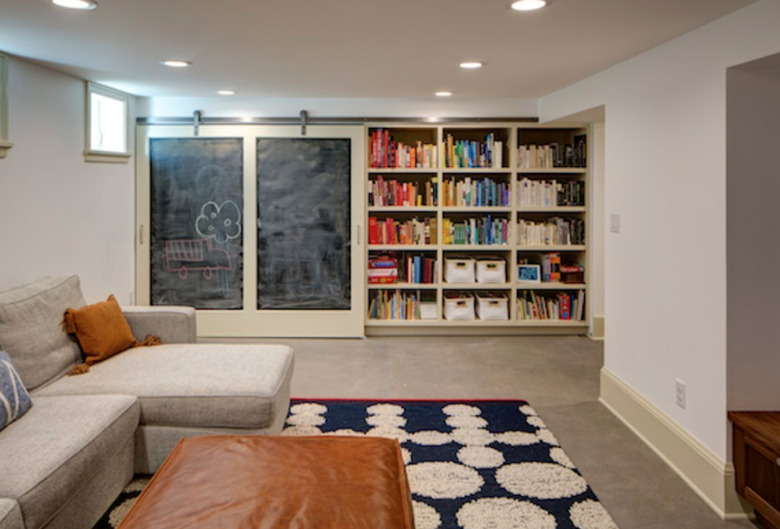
14, 399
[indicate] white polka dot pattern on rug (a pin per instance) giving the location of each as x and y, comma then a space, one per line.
517, 438
345, 431
306, 420
472, 436
390, 432
546, 435
430, 438
120, 511
590, 514
393, 421
559, 456
425, 516
540, 480
385, 409
466, 421
504, 513
461, 410
301, 430
137, 485
480, 457
528, 410
308, 408
443, 480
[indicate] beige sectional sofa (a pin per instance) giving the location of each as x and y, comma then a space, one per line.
69, 456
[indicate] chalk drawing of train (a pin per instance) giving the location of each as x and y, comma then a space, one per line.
195, 255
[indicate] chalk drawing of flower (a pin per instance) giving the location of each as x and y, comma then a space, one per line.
221, 222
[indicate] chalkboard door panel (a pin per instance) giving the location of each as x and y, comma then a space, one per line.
303, 236
256, 226
196, 214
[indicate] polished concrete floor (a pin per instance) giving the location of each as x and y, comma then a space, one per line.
558, 376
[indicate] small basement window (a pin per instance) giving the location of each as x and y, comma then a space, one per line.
108, 124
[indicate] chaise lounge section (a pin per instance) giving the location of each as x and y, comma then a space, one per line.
68, 457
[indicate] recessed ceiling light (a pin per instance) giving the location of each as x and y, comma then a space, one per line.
528, 5
471, 65
443, 94
84, 5
226, 92
176, 63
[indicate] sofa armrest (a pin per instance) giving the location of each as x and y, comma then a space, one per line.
10, 514
173, 324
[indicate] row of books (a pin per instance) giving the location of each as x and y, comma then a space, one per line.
553, 155
556, 231
400, 305
550, 193
389, 269
474, 192
392, 231
385, 152
383, 192
552, 306
473, 154
482, 230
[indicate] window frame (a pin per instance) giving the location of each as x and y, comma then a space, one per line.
95, 155
5, 145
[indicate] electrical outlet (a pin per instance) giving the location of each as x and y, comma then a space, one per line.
681, 393
614, 222
131, 298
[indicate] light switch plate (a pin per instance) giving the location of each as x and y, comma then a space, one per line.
614, 222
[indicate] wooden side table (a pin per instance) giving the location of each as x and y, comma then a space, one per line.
757, 462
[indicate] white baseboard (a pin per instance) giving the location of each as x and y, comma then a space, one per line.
704, 471
597, 327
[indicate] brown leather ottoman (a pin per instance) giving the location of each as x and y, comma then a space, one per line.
271, 482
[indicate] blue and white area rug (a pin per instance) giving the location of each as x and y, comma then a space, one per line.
471, 464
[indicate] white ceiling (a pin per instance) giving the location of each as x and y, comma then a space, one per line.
345, 48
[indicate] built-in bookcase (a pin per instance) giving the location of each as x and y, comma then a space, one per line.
508, 199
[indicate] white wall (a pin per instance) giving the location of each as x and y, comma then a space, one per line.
665, 174
753, 189
61, 215
246, 107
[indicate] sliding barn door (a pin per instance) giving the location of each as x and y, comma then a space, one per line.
256, 227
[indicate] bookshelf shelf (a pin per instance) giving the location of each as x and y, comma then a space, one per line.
401, 247
403, 286
406, 209
477, 247
552, 209
555, 285
475, 286
403, 170
481, 203
554, 171
557, 248
476, 209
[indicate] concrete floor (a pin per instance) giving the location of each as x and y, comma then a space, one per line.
558, 376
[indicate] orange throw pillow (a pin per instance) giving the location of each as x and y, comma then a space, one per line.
101, 329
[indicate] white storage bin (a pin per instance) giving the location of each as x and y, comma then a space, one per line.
491, 271
458, 270
492, 307
458, 307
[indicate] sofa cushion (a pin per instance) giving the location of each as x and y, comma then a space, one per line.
57, 447
221, 386
101, 329
10, 514
14, 399
31, 328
